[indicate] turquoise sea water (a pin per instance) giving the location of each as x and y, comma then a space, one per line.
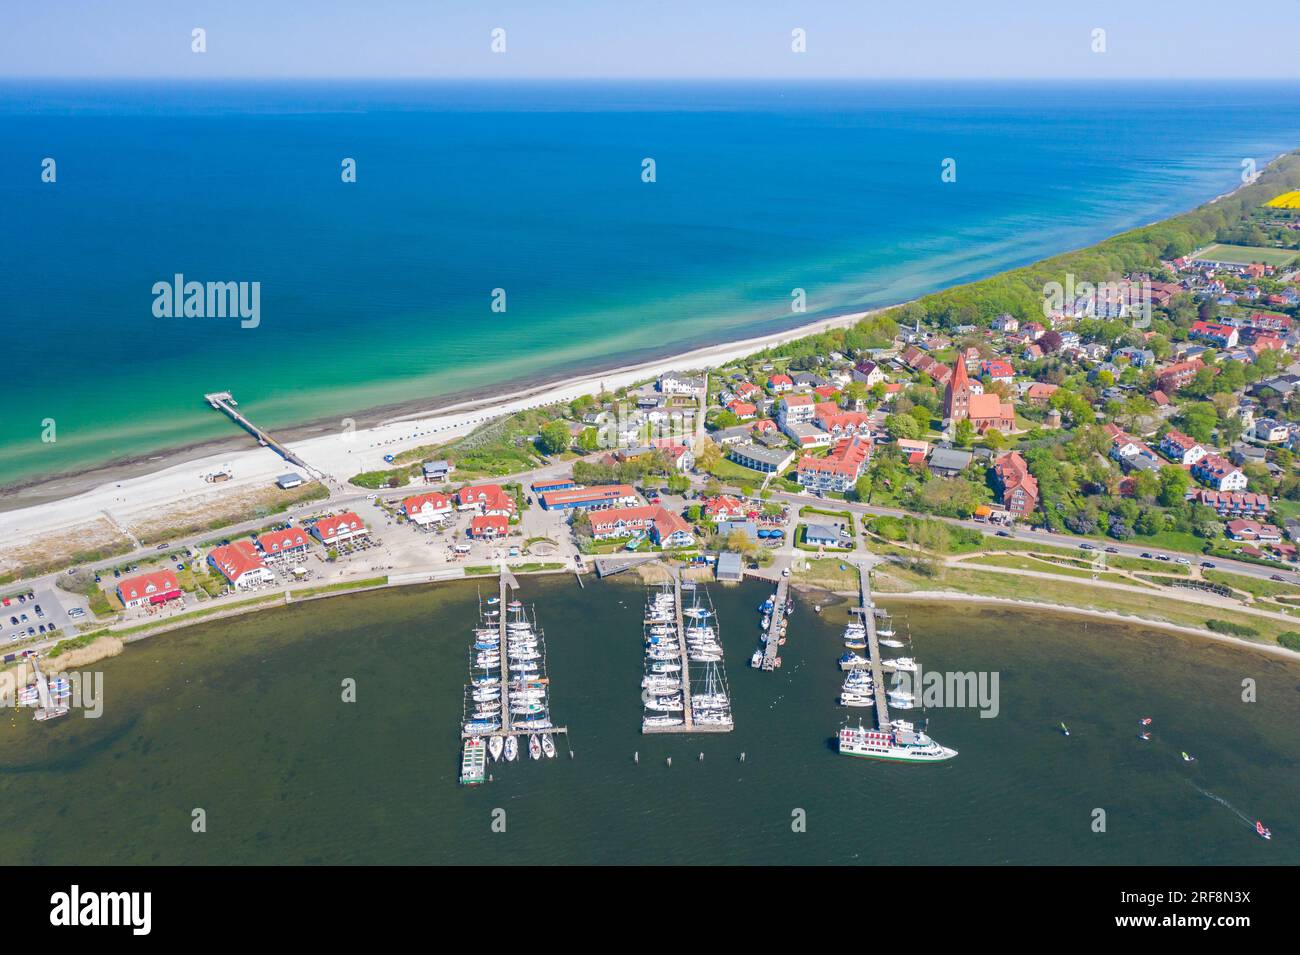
244, 718
379, 291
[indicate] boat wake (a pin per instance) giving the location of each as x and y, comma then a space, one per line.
1245, 820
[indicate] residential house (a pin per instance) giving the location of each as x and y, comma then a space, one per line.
1181, 448
338, 528
1017, 487
869, 373
837, 471
1232, 503
241, 564
1219, 473
486, 499
1245, 529
1218, 335
489, 526
678, 383
725, 508
154, 588
1271, 430
949, 462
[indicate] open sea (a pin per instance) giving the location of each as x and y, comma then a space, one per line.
380, 291
244, 719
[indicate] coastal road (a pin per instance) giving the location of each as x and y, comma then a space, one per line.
1044, 537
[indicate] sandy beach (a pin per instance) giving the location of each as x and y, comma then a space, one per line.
177, 479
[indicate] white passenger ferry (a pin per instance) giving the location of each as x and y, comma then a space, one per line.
900, 743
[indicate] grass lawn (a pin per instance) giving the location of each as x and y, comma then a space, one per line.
827, 572
1035, 564
1246, 254
1140, 563
1252, 585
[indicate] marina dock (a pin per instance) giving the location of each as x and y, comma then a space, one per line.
225, 401
772, 637
868, 613
713, 674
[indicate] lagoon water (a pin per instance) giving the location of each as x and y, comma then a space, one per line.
244, 719
378, 292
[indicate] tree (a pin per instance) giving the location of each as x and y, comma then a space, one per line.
1174, 483
964, 433
995, 440
553, 437
902, 427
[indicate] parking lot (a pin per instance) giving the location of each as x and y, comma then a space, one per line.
20, 614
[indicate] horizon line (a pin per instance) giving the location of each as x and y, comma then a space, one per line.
1054, 79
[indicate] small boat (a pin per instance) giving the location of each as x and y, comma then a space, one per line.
903, 663
492, 601
852, 661
473, 761
1188, 759
756, 660
1144, 736
495, 745
534, 747
893, 644
1263, 831
1145, 721
512, 748
548, 746
1065, 729
767, 621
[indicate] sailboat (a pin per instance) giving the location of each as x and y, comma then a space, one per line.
1065, 729
495, 744
548, 746
1188, 759
512, 748
534, 746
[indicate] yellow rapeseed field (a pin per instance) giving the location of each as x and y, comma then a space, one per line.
1288, 200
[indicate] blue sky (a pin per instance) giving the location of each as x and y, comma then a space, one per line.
1046, 39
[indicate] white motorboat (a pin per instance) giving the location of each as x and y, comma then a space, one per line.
893, 644
903, 663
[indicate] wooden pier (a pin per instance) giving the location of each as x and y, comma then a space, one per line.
772, 637
688, 718
868, 613
608, 566
225, 401
507, 583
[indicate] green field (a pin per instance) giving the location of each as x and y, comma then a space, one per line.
1246, 254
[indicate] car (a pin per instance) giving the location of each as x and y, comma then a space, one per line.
31, 631
1003, 533
13, 621
1087, 547
162, 546
39, 611
1184, 560
1146, 554
1208, 564
1277, 577
22, 617
117, 573
785, 572
1162, 556
1112, 550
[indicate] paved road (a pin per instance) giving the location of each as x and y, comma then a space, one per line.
1044, 537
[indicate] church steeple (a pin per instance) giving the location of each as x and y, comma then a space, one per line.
956, 400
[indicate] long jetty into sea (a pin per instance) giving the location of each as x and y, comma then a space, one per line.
868, 613
225, 401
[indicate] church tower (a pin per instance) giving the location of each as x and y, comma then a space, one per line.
956, 400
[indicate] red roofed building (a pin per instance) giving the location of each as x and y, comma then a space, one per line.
1219, 473
742, 409
1175, 376
241, 564
780, 382
998, 370
339, 527
489, 526
143, 589
1221, 336
600, 495
831, 417
1245, 529
1040, 392
1233, 503
486, 499
1181, 448
839, 470
826, 392
725, 508
279, 545
663, 526
426, 509
1019, 488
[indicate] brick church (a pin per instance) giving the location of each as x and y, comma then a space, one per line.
965, 400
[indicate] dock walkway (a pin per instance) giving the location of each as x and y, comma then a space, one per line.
868, 613
772, 638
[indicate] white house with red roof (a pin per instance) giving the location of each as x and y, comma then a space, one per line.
154, 588
486, 499
339, 527
662, 526
1182, 448
724, 508
832, 418
837, 471
1219, 473
426, 509
489, 526
241, 564
292, 543
781, 383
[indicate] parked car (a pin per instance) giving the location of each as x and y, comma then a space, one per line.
1112, 550
1087, 547
1184, 560
1003, 533
1208, 565
1146, 554
1162, 556
1277, 577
